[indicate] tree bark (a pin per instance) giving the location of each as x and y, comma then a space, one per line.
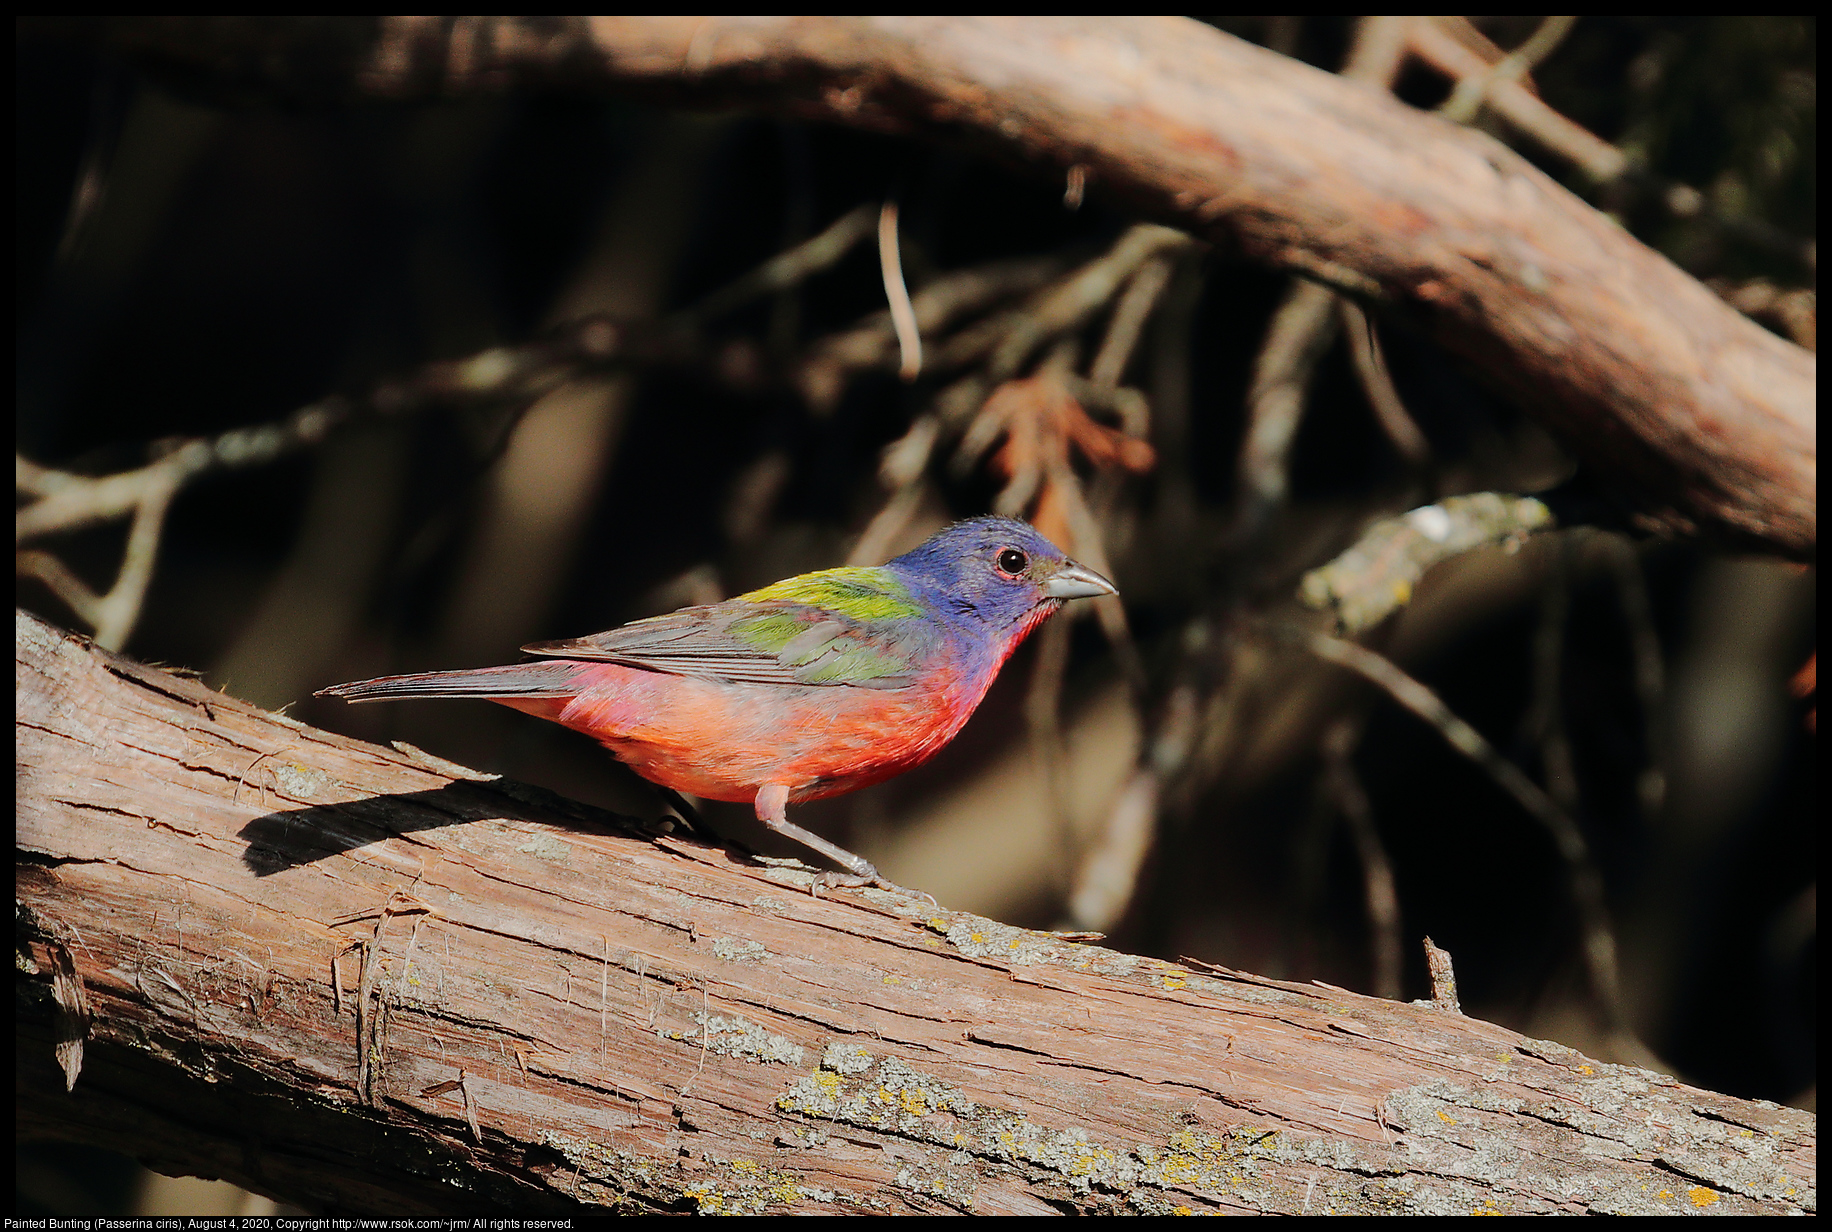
1702, 419
558, 1012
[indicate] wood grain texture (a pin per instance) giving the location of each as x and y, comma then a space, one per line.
1702, 419
566, 1013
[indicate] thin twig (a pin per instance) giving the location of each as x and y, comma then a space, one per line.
1650, 669
1107, 878
1301, 330
1042, 713
1544, 723
519, 375
784, 270
1077, 297
1516, 104
873, 547
1128, 323
946, 299
1472, 90
1371, 370
903, 315
1378, 887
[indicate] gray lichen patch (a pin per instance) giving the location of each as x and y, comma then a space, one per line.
746, 1187
735, 1037
953, 1180
297, 782
619, 1171
546, 847
848, 1059
1449, 1131
740, 950
977, 937
890, 1096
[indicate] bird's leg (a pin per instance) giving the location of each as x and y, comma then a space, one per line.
773, 811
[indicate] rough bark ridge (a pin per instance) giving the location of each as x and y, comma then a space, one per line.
557, 1011
1699, 416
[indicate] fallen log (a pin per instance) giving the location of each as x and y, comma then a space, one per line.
365, 980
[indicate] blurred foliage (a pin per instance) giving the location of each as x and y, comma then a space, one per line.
181, 270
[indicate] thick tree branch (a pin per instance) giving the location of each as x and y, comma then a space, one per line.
1703, 418
557, 1010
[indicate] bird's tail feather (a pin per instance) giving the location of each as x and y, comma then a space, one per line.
549, 679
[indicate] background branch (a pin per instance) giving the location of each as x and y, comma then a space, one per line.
1707, 419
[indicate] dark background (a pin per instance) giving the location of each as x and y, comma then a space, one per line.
183, 268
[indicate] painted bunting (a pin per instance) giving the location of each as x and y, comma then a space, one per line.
817, 685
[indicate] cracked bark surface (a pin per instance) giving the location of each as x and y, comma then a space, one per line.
564, 1012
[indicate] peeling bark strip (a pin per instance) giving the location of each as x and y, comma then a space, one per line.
1693, 410
581, 1016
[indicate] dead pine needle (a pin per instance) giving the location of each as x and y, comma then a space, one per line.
903, 314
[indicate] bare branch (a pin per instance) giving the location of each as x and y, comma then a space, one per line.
1376, 576
1705, 418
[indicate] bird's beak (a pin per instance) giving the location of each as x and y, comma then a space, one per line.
1074, 581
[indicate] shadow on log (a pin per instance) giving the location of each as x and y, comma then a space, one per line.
364, 980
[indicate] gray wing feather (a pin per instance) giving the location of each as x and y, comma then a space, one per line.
697, 642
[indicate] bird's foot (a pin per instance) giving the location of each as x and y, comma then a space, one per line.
868, 876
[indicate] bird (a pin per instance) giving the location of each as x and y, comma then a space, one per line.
814, 686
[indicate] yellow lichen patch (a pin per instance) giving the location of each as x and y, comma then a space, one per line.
1446, 1117
1586, 1070
1172, 983
755, 1188
1701, 1196
829, 1082
914, 1102
1089, 1158
1180, 1169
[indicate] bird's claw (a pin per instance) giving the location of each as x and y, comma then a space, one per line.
838, 880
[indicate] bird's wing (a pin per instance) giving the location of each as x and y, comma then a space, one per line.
841, 626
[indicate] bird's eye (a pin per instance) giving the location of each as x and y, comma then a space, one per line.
1012, 561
